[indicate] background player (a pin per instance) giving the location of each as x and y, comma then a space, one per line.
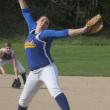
7, 55
41, 65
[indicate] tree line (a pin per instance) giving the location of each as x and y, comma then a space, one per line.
62, 13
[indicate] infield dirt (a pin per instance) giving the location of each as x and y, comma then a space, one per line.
83, 93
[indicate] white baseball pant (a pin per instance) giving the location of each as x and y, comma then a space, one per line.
47, 75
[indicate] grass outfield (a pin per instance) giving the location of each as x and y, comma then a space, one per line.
74, 59
83, 60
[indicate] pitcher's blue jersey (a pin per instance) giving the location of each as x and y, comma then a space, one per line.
37, 46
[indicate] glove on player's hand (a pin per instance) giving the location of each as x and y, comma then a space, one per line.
16, 83
95, 24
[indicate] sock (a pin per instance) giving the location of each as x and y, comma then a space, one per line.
22, 108
62, 101
23, 75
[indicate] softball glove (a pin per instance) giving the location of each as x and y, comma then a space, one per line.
95, 24
16, 83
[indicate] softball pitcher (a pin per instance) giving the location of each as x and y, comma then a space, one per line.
41, 65
7, 55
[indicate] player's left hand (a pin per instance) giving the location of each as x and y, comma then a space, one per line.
95, 24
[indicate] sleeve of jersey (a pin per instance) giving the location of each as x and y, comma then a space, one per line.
53, 34
28, 18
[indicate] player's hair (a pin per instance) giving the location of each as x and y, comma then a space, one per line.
8, 44
42, 16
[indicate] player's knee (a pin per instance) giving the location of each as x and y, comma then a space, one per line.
54, 92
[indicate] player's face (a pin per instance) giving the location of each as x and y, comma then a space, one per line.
43, 22
8, 50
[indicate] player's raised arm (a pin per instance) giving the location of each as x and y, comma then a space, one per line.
27, 14
23, 4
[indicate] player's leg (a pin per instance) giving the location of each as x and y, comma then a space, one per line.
21, 70
22, 108
23, 75
62, 101
31, 87
50, 78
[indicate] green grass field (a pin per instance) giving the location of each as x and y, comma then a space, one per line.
83, 60
79, 57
